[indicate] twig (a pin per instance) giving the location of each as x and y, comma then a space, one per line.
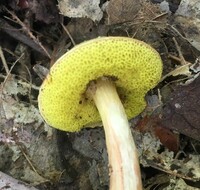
13, 32
32, 41
176, 30
8, 75
26, 84
160, 16
171, 172
182, 62
68, 33
27, 158
29, 33
177, 59
30, 78
4, 61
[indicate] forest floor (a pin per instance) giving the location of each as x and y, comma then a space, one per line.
34, 34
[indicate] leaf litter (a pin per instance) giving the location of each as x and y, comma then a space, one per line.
166, 133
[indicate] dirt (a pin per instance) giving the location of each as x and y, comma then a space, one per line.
34, 34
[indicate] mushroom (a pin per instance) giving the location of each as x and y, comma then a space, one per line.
104, 79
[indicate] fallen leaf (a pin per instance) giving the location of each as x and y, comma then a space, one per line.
81, 9
122, 10
181, 112
151, 153
166, 137
82, 29
181, 70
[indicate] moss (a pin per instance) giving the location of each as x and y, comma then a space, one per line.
136, 66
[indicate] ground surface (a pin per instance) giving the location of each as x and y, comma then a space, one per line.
33, 34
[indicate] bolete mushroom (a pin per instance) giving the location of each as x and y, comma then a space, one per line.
103, 79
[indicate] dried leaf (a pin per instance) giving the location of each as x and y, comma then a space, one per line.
151, 154
13, 87
166, 137
190, 28
181, 70
82, 29
81, 9
189, 8
188, 20
122, 10
181, 112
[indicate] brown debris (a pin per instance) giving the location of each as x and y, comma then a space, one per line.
166, 137
181, 113
45, 11
26, 39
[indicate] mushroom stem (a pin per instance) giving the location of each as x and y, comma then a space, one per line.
122, 153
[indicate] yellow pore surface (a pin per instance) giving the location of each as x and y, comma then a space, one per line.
136, 66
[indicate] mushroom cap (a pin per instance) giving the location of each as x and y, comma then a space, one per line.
135, 67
